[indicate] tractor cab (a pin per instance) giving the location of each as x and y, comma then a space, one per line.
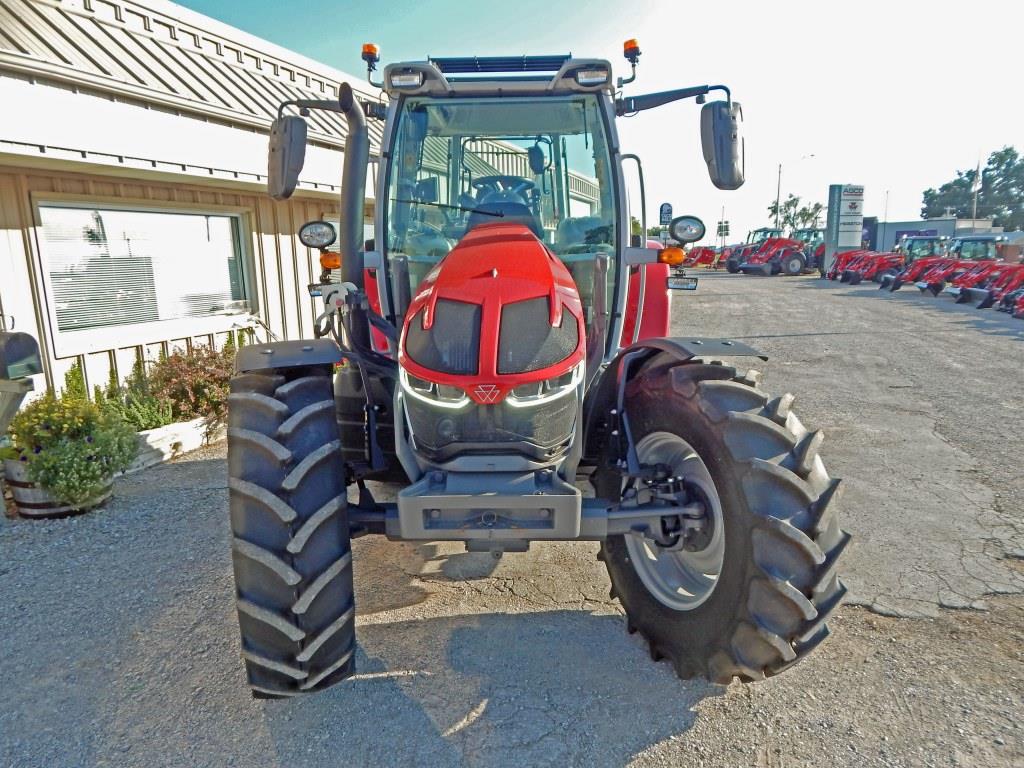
756, 236
913, 247
542, 162
983, 248
810, 237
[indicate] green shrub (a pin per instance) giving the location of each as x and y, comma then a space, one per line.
71, 446
134, 403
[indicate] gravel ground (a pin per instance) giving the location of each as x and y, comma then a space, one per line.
120, 646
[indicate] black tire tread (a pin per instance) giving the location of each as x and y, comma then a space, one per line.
290, 540
791, 584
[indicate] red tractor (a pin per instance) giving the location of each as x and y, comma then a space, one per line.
980, 273
477, 351
871, 266
1013, 303
776, 255
701, 256
964, 252
990, 291
919, 252
737, 254
844, 260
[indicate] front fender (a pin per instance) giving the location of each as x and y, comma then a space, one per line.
606, 390
287, 354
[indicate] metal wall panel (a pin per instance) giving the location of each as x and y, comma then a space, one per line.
279, 267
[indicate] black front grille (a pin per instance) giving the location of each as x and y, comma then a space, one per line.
540, 431
452, 345
528, 342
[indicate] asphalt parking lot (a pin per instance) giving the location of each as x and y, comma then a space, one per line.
120, 646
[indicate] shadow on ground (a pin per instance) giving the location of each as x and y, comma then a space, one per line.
121, 648
555, 688
985, 320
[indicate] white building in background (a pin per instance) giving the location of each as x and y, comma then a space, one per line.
133, 213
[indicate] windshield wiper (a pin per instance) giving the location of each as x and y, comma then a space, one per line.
482, 211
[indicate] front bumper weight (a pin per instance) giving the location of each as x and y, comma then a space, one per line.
466, 506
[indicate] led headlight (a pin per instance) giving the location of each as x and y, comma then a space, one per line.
539, 392
317, 234
440, 395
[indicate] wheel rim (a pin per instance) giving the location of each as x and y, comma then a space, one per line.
679, 580
794, 265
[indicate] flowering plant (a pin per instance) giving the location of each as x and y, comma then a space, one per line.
71, 447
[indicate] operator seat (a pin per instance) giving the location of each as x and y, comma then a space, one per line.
512, 209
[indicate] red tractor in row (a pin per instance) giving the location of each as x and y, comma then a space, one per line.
931, 272
774, 255
919, 252
871, 265
735, 255
994, 287
478, 352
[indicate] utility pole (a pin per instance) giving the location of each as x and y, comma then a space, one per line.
977, 186
778, 194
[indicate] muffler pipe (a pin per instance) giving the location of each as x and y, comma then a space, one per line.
353, 196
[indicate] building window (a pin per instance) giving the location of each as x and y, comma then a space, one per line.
114, 268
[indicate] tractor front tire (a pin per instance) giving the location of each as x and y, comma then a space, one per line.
793, 265
732, 266
777, 584
290, 535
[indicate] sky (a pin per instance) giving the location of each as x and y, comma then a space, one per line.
894, 95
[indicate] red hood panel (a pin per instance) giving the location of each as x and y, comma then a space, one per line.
494, 265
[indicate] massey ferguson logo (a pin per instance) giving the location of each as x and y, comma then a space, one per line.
487, 393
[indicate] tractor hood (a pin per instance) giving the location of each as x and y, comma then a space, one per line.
498, 312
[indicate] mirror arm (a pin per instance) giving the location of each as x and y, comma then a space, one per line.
632, 104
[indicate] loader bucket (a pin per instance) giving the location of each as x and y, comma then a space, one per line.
981, 298
953, 291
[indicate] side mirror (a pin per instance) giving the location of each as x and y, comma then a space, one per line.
722, 143
286, 156
686, 229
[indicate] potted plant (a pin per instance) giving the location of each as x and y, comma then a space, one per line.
65, 452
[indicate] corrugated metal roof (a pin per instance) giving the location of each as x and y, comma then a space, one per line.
163, 54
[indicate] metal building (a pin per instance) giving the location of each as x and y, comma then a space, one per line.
133, 215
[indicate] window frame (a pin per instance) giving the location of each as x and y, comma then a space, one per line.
91, 340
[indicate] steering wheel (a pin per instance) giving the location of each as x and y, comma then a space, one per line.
517, 185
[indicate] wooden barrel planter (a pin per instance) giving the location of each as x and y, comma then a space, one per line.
32, 501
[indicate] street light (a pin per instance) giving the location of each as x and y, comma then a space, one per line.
778, 188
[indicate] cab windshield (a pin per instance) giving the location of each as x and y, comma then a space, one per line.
917, 248
974, 249
462, 163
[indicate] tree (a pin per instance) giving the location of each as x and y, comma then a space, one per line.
1000, 195
794, 215
635, 228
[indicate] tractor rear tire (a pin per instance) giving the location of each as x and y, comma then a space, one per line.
777, 585
290, 534
732, 266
